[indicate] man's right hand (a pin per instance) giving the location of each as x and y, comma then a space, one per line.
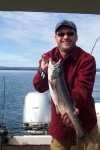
44, 64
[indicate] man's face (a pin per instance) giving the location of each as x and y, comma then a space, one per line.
66, 39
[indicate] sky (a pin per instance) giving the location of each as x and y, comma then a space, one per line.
25, 36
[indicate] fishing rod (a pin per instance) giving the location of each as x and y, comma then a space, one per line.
95, 44
3, 130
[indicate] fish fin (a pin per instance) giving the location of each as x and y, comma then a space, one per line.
79, 142
57, 110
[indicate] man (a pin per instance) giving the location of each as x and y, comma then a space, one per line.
79, 69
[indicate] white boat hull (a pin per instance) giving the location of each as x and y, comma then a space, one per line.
34, 142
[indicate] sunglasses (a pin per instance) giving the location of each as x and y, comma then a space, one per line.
61, 34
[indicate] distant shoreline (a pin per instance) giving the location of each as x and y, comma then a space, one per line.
27, 68
19, 68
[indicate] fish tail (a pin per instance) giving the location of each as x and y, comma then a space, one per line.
81, 140
89, 138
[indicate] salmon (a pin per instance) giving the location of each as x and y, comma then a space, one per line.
60, 95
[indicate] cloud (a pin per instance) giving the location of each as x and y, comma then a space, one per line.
12, 60
27, 35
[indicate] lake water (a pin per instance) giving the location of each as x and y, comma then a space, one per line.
17, 85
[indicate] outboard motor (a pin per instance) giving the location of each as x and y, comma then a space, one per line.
36, 113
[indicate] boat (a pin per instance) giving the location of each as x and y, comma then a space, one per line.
33, 140
82, 7
33, 134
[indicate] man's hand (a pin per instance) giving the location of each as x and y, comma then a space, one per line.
66, 119
44, 64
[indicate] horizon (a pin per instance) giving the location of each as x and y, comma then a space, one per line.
9, 68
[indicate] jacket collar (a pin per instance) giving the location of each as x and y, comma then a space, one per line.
73, 54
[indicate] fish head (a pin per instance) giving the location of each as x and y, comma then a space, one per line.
55, 69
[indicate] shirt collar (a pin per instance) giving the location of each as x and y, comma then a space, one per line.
73, 54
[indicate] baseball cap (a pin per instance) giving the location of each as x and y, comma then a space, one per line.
66, 23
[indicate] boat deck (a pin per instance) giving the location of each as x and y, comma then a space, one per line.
30, 147
40, 142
